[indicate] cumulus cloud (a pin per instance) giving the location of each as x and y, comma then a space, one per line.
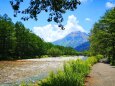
51, 32
87, 19
110, 5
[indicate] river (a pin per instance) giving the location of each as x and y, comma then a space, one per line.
14, 72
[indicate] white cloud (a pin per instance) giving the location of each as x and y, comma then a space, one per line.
52, 32
87, 19
110, 5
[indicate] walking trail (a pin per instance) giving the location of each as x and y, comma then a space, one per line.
101, 75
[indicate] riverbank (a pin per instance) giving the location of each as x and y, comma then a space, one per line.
101, 75
73, 74
30, 69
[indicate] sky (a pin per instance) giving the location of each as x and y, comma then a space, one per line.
82, 19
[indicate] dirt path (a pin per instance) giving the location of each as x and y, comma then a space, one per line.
101, 75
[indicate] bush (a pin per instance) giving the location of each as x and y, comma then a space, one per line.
91, 60
79, 66
73, 75
54, 52
99, 57
67, 78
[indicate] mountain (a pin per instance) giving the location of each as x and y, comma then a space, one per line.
83, 47
73, 39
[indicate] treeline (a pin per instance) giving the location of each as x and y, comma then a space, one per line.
18, 42
102, 39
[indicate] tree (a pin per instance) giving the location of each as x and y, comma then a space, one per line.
103, 36
54, 51
7, 37
55, 8
28, 44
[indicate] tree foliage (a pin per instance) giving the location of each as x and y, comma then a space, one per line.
7, 37
18, 42
55, 8
28, 44
54, 52
103, 36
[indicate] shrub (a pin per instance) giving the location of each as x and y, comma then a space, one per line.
54, 52
79, 66
98, 57
91, 60
73, 75
63, 79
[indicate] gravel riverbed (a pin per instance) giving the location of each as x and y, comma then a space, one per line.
27, 69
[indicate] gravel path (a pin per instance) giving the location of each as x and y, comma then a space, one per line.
101, 75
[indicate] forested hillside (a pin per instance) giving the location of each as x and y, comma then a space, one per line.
18, 42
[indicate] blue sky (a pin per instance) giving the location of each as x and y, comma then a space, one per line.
81, 19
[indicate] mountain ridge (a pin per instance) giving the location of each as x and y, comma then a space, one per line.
83, 47
73, 39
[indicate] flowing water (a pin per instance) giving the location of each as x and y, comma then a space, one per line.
30, 70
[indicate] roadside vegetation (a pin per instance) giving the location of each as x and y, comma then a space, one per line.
102, 37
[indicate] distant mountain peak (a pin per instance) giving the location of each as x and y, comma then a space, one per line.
73, 39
